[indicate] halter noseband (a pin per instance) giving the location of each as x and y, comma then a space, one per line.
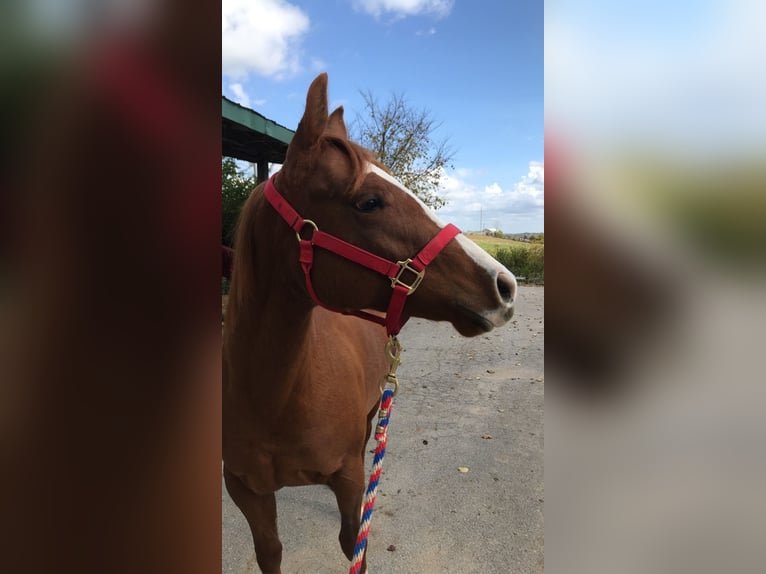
394, 271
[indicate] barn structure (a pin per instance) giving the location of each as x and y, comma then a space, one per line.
250, 136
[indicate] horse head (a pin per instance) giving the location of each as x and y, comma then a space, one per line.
341, 188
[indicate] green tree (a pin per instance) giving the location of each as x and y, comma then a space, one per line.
236, 188
403, 139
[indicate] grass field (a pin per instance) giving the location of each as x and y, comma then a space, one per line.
491, 244
526, 260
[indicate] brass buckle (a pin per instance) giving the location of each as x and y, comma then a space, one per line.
305, 223
405, 266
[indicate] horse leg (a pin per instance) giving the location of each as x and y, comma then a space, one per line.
355, 526
260, 510
348, 486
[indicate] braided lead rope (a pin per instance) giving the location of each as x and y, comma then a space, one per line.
393, 350
381, 435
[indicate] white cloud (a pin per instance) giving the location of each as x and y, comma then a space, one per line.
513, 210
493, 189
239, 94
261, 36
236, 92
402, 8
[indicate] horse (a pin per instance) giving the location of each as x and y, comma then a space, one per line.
311, 303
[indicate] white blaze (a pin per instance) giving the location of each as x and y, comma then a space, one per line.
372, 168
480, 257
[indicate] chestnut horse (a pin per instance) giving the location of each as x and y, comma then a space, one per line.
302, 383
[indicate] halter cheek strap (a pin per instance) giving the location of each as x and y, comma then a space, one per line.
405, 276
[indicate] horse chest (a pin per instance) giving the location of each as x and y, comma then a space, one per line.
290, 455
299, 424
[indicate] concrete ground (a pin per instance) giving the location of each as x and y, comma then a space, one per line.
475, 403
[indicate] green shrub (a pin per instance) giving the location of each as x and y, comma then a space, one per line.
527, 262
236, 188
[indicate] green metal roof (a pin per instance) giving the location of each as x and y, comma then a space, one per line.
250, 136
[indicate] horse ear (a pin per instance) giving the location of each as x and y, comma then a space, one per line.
314, 120
335, 125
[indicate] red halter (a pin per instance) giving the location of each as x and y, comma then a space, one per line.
394, 271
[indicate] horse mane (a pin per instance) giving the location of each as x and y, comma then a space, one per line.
243, 271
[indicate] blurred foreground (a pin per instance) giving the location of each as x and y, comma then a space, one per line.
109, 258
656, 225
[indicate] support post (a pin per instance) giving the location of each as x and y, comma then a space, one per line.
263, 171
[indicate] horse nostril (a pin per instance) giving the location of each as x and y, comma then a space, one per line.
506, 286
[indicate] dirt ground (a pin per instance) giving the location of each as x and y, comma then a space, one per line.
474, 403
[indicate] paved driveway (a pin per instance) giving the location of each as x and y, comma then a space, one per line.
475, 403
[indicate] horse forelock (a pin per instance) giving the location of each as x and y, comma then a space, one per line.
358, 159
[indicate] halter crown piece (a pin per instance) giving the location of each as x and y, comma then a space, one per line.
414, 268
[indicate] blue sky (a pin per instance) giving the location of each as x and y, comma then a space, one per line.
477, 66
678, 79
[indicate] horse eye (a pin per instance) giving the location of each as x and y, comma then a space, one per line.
369, 204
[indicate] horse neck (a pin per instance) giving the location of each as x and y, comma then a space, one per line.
267, 324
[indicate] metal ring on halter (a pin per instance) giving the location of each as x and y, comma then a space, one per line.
305, 223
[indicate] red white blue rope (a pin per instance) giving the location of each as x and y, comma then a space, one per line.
381, 435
